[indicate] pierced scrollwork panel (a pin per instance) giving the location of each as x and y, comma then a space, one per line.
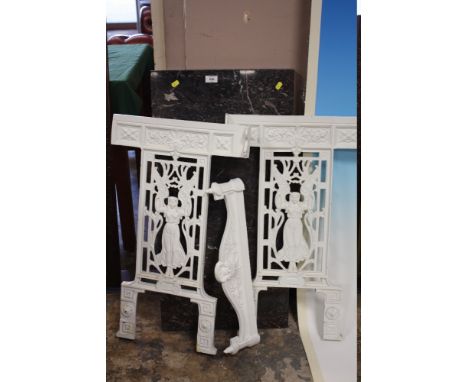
173, 207
293, 214
296, 160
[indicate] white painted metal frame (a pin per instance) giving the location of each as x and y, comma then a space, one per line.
233, 267
173, 209
295, 188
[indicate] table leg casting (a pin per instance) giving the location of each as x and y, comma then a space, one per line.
233, 268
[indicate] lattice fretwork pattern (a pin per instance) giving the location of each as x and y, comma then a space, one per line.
293, 215
172, 224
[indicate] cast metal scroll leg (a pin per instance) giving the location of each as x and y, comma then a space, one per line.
128, 307
206, 324
332, 313
233, 268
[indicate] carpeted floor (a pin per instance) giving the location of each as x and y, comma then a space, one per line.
171, 357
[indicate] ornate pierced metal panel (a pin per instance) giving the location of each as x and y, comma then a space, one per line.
293, 216
173, 208
172, 226
295, 187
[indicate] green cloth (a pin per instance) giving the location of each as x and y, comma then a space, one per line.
128, 65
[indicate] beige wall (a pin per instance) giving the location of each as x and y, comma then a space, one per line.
236, 34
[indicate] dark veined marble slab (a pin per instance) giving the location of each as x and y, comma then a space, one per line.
207, 95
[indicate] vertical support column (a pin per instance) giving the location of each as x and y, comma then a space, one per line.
331, 314
313, 57
206, 324
157, 17
256, 291
128, 308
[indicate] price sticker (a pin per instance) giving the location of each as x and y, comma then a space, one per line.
211, 79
